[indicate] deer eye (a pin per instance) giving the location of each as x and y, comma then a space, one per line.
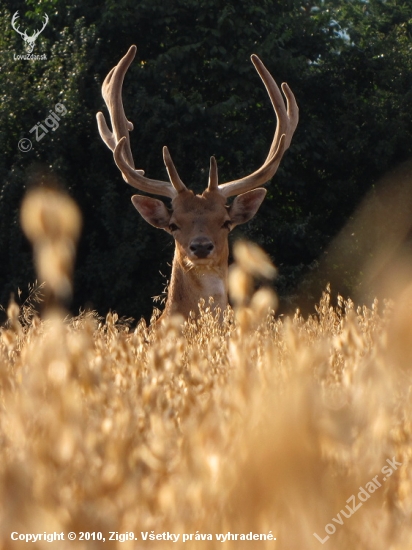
227, 225
173, 227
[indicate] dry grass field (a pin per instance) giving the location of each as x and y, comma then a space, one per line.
260, 427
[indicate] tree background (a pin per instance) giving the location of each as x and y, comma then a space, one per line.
192, 87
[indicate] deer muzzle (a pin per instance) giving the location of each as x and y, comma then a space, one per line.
201, 247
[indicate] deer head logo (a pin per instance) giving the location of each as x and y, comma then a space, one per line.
29, 40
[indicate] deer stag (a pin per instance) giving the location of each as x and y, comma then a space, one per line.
200, 224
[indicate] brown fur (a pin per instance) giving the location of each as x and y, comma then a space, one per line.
192, 217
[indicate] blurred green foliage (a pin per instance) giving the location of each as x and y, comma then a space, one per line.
192, 87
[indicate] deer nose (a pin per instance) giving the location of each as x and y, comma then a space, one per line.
201, 247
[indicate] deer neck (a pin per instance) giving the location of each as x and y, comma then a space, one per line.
188, 284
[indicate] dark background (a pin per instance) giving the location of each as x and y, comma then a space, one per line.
192, 87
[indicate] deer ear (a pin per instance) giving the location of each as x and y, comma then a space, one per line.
245, 206
152, 210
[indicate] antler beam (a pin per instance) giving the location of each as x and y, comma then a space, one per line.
287, 120
118, 139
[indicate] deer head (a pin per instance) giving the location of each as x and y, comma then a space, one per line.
200, 224
29, 40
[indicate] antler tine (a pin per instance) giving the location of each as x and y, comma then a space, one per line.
118, 139
171, 170
213, 175
46, 20
13, 22
112, 95
287, 120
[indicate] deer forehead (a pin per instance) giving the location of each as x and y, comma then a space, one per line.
199, 208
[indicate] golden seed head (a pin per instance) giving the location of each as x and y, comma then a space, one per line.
51, 221
240, 285
54, 262
50, 214
13, 311
253, 260
264, 300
